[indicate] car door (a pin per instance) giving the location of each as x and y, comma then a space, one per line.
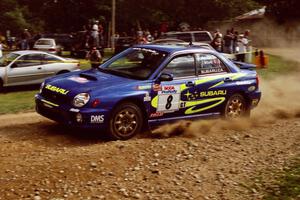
211, 88
27, 69
167, 95
52, 65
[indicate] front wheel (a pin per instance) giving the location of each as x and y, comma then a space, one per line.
236, 107
126, 121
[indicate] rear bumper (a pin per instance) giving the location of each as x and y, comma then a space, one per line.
74, 117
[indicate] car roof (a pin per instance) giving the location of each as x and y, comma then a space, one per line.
175, 48
182, 32
46, 39
24, 52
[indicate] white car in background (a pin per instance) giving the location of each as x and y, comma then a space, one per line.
48, 45
32, 67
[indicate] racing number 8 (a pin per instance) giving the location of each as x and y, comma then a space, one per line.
169, 100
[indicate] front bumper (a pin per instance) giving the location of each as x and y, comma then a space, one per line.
76, 117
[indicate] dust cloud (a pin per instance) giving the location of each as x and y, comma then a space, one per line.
280, 100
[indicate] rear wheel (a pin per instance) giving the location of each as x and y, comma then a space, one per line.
126, 121
236, 107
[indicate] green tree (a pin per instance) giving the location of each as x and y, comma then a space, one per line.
12, 16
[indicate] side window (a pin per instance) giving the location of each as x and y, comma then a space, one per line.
48, 59
185, 37
181, 66
210, 64
200, 37
29, 60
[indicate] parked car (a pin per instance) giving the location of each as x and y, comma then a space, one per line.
48, 45
62, 39
168, 41
123, 43
177, 42
32, 67
146, 85
190, 36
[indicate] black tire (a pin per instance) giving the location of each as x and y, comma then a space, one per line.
236, 107
125, 122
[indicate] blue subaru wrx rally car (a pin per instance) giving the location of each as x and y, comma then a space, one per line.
149, 84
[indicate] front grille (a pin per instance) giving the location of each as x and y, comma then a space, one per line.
55, 97
52, 113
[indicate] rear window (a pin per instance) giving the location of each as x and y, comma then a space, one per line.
187, 37
44, 42
200, 37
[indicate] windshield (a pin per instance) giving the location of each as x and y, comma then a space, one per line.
137, 63
44, 42
6, 59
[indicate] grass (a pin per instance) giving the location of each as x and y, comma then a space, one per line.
14, 101
277, 65
288, 184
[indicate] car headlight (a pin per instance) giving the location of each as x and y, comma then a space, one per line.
81, 99
42, 86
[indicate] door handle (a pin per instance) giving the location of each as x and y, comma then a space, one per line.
190, 84
227, 79
39, 68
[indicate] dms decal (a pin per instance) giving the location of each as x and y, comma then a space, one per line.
97, 119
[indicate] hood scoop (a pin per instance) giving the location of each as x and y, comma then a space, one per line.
88, 76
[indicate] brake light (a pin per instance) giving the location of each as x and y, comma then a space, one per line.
35, 48
257, 80
95, 103
51, 49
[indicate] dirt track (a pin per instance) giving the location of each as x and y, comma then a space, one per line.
41, 159
208, 160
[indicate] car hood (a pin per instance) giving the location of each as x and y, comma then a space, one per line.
86, 81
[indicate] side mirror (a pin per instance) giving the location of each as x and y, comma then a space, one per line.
14, 65
166, 77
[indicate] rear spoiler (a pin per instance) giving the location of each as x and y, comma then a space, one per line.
243, 65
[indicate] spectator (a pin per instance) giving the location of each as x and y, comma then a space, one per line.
217, 43
25, 36
148, 36
217, 32
141, 40
101, 35
94, 56
155, 35
139, 32
242, 44
235, 47
228, 42
1, 46
95, 34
